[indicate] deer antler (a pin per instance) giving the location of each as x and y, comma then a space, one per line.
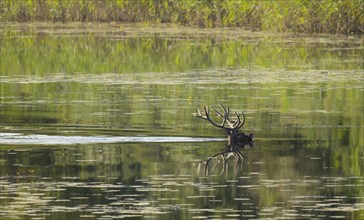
240, 123
207, 117
236, 125
233, 125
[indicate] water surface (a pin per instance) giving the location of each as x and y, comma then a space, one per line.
96, 123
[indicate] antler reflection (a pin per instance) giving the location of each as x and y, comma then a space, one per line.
222, 158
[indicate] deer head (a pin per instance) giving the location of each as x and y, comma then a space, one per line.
236, 139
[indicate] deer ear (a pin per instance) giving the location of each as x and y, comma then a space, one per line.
251, 144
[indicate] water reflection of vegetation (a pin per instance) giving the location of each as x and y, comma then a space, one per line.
332, 119
42, 54
125, 106
156, 179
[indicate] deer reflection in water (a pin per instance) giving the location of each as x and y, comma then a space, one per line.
236, 140
222, 158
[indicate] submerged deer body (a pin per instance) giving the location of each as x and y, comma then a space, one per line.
236, 139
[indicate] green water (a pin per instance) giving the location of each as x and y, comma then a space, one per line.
303, 97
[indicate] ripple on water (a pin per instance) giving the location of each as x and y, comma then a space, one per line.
160, 195
22, 139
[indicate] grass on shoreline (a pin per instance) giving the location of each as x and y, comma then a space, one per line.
301, 16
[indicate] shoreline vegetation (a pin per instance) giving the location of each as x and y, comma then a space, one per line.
298, 16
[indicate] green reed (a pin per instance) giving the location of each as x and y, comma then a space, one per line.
303, 16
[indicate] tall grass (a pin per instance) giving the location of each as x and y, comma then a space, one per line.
307, 16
